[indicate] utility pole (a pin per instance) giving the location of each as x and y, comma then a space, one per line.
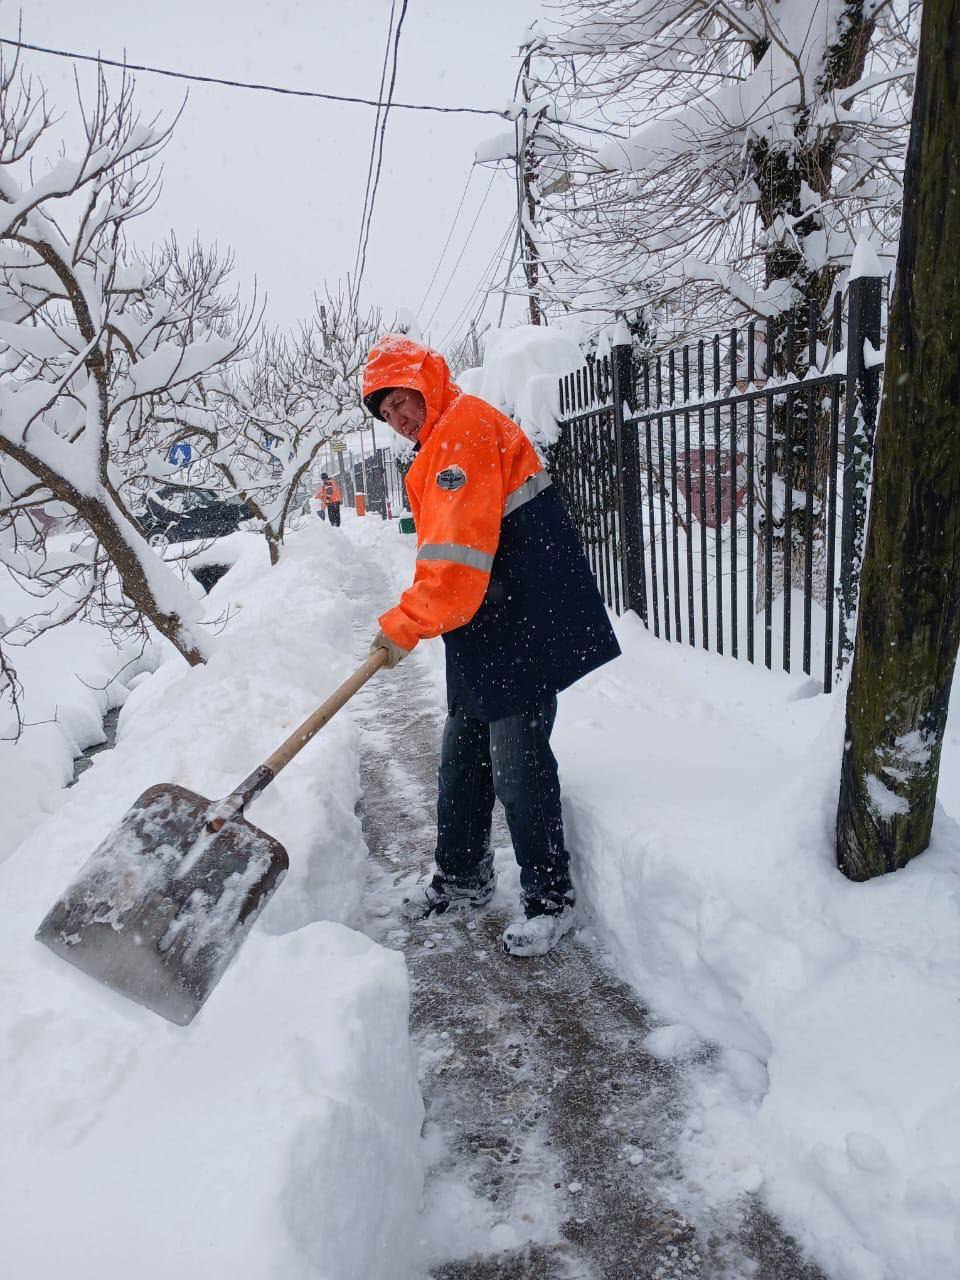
527, 170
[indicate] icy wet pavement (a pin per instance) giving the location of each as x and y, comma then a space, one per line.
552, 1131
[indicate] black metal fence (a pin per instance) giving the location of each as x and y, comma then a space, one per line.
378, 475
712, 485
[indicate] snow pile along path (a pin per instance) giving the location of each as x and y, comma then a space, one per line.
70, 677
701, 802
279, 1134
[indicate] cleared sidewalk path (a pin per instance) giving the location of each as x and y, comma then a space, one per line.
552, 1131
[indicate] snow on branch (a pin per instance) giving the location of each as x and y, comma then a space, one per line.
747, 144
103, 353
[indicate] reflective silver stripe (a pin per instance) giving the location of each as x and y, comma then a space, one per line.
529, 489
457, 553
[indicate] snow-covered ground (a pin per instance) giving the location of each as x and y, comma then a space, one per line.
700, 798
278, 1135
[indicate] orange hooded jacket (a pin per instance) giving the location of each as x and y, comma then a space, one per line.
471, 460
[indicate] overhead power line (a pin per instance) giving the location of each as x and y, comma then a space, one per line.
446, 243
489, 272
373, 143
124, 65
378, 141
246, 84
463, 249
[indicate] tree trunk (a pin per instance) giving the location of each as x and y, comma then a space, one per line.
112, 537
106, 522
909, 622
781, 174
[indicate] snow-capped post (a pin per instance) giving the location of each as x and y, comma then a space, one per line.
859, 426
628, 466
908, 628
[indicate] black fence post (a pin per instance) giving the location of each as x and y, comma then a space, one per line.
628, 467
862, 393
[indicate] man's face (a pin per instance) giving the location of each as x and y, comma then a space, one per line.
404, 410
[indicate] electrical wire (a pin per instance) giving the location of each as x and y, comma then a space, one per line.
463, 250
490, 269
501, 285
373, 141
246, 84
293, 92
446, 243
383, 129
509, 275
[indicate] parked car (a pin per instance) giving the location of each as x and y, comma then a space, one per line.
180, 512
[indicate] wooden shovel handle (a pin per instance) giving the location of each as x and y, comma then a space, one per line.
315, 722
233, 805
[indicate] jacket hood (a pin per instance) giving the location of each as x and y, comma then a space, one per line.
398, 361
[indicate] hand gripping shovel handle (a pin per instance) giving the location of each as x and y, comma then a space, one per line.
265, 773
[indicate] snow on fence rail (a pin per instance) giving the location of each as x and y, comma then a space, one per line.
718, 486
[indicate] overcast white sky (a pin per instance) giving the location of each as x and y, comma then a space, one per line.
280, 180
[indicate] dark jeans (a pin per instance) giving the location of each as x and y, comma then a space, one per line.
333, 511
509, 760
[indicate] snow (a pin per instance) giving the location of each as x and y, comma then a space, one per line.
520, 374
700, 801
865, 261
278, 1134
885, 803
814, 1019
171, 364
502, 146
70, 677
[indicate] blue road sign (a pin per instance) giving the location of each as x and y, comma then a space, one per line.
181, 454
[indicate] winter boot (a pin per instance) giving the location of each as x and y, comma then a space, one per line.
543, 923
437, 896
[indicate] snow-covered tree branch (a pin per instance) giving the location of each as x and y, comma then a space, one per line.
294, 395
754, 141
104, 356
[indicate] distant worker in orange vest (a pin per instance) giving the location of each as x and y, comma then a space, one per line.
328, 495
502, 577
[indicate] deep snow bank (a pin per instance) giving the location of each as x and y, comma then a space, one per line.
701, 799
278, 1135
70, 677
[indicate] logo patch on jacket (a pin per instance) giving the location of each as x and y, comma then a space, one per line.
451, 478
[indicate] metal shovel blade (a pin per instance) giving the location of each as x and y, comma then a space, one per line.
160, 908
